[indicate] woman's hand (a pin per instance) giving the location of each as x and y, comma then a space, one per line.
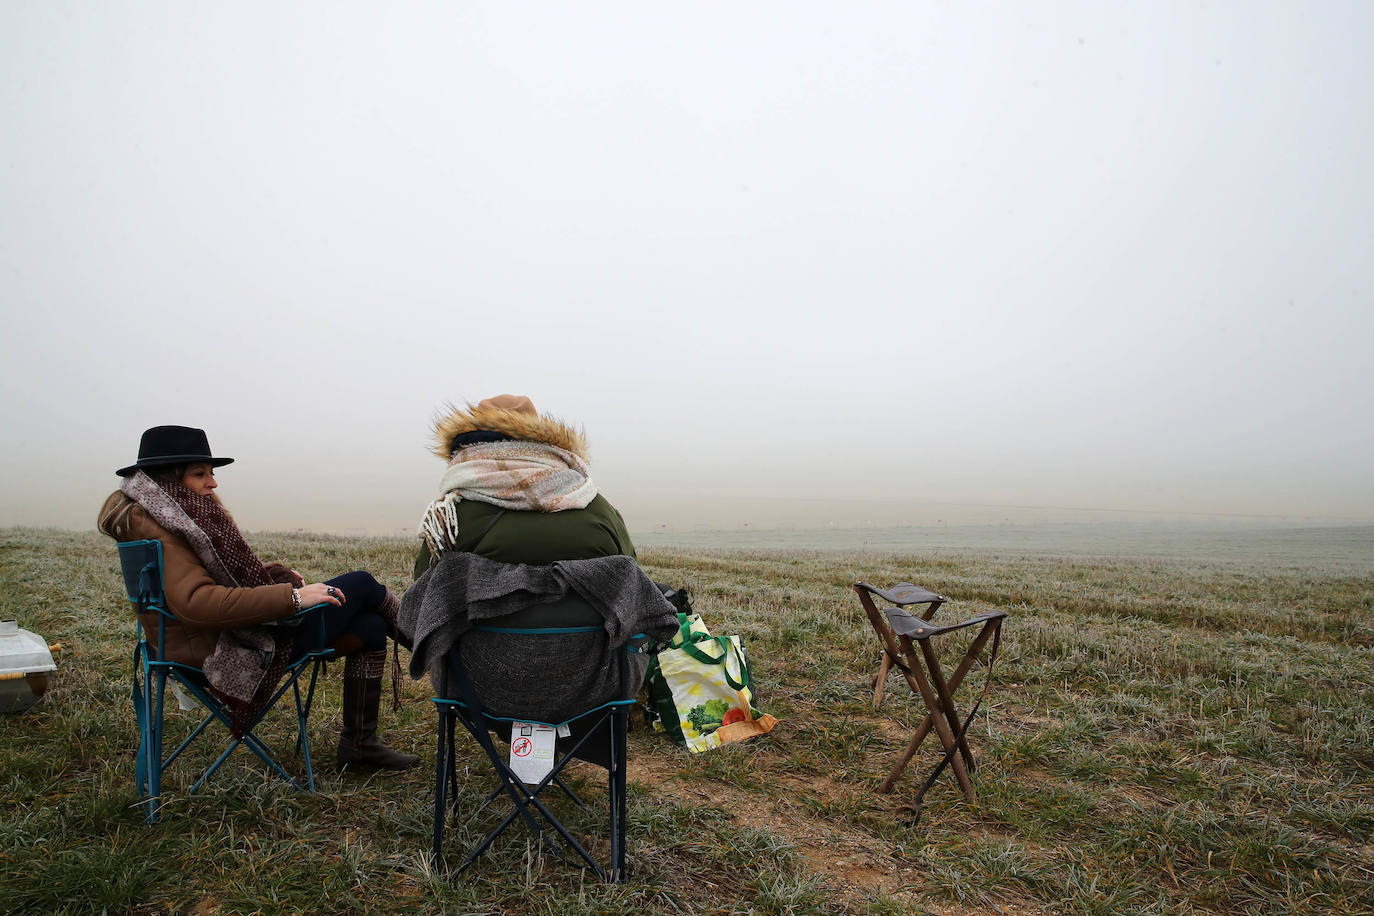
319, 593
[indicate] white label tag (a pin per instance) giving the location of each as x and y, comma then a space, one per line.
531, 751
564, 731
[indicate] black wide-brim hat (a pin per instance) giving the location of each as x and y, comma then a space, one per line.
164, 445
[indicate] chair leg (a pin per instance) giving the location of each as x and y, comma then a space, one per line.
233, 745
141, 757
494, 794
567, 790
155, 764
523, 798
521, 809
924, 728
143, 764
309, 700
149, 695
251, 740
527, 805
187, 741
442, 756
618, 801
303, 736
453, 762
303, 719
260, 749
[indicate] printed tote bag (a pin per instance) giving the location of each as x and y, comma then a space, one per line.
700, 691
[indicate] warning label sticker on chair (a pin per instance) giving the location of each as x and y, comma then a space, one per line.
531, 751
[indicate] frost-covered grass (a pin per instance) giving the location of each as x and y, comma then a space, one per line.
1160, 736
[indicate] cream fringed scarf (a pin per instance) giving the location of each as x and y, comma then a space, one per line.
523, 476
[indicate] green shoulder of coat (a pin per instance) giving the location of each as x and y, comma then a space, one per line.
538, 538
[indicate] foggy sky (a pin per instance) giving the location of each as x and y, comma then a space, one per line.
782, 261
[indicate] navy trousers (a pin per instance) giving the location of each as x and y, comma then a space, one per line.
358, 615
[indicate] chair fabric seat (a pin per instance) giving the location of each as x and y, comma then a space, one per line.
503, 665
509, 670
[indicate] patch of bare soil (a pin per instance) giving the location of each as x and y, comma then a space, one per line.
854, 864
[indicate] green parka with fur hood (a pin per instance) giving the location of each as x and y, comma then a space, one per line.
536, 538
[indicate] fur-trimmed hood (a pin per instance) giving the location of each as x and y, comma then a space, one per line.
513, 423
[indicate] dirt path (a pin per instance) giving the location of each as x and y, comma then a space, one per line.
854, 864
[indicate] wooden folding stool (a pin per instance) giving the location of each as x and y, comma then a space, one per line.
901, 633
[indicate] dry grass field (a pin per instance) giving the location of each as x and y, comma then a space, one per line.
1176, 736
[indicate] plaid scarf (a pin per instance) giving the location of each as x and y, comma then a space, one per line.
247, 663
205, 524
524, 476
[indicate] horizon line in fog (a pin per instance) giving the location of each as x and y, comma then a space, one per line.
646, 515
973, 504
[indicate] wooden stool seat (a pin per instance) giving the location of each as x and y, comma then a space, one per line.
903, 594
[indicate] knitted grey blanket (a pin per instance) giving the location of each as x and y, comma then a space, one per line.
546, 678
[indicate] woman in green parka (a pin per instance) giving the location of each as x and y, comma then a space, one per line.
517, 490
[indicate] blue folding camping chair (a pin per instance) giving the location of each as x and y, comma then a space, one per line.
141, 563
597, 734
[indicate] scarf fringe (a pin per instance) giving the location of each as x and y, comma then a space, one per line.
439, 525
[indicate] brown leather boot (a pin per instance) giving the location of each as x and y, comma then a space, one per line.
358, 744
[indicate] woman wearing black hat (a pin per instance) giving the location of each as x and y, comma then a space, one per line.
221, 593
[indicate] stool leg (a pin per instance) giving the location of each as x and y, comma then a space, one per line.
880, 680
937, 715
943, 691
917, 737
955, 680
971, 657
